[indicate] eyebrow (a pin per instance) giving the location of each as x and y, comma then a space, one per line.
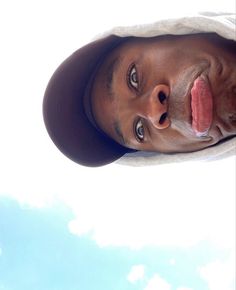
110, 76
111, 94
117, 129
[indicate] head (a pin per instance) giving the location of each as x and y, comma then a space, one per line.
164, 94
167, 94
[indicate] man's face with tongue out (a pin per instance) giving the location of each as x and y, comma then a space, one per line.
168, 94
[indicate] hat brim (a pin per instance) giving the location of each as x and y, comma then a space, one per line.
63, 108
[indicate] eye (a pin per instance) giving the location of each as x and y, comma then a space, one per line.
133, 77
139, 131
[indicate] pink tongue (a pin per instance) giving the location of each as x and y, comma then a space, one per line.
202, 106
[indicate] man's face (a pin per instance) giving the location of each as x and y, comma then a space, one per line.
168, 94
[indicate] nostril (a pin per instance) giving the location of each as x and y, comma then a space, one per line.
162, 97
163, 118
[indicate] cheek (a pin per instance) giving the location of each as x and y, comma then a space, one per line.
172, 141
169, 59
168, 141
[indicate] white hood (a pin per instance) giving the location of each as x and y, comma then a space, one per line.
222, 24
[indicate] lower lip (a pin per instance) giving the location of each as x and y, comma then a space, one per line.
202, 106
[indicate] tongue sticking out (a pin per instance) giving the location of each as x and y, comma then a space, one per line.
202, 106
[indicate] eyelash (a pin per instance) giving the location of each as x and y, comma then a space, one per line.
140, 139
129, 77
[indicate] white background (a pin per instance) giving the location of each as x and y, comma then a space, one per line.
35, 37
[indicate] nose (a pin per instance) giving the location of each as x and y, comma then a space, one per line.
156, 107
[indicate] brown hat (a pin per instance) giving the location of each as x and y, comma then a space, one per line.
66, 107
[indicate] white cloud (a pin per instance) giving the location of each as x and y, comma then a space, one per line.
134, 211
184, 288
156, 282
136, 273
219, 275
172, 262
0, 251
171, 205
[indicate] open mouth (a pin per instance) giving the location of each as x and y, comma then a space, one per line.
202, 106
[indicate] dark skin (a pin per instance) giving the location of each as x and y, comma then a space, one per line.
141, 95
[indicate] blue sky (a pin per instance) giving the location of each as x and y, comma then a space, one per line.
39, 252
